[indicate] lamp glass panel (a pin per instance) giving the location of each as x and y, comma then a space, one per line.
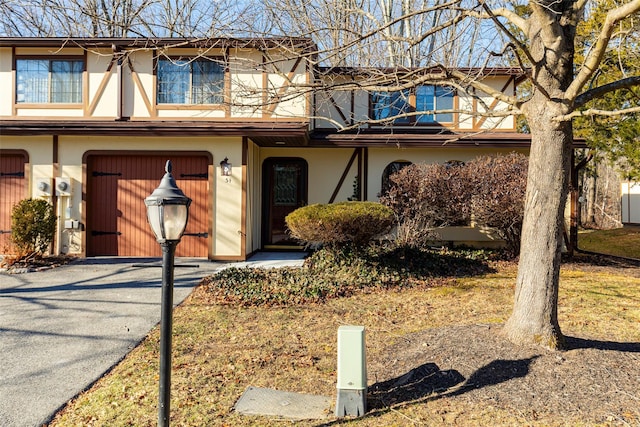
175, 221
153, 216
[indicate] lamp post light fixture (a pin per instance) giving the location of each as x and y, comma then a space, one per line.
167, 213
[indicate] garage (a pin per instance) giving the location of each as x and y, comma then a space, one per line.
13, 188
117, 185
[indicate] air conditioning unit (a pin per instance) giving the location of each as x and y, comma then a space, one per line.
63, 186
43, 187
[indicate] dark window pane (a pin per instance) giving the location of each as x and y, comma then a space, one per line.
173, 81
208, 82
386, 105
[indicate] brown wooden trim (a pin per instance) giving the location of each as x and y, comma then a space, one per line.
49, 106
14, 79
55, 162
227, 82
272, 104
203, 107
365, 173
359, 177
243, 213
83, 215
103, 84
85, 85
355, 154
265, 88
353, 107
140, 86
494, 104
338, 109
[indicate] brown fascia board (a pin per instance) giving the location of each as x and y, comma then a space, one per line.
304, 44
141, 128
418, 139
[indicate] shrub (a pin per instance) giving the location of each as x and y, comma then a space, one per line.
339, 224
499, 185
331, 273
492, 189
33, 225
427, 196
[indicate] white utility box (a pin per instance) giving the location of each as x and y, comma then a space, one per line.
352, 372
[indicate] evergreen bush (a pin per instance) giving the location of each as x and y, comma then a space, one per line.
339, 224
33, 226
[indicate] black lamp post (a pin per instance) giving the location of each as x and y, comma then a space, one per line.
168, 213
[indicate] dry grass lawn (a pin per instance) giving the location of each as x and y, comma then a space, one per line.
220, 350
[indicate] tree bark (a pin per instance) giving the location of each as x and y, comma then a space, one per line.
535, 318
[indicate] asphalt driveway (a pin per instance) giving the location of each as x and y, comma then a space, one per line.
62, 329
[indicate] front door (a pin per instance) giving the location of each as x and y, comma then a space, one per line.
285, 180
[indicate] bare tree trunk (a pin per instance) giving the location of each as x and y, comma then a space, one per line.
534, 318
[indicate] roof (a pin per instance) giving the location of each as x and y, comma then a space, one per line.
303, 43
267, 133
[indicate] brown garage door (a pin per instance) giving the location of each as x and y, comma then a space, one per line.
116, 214
12, 189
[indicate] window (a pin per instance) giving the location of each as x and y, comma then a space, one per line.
391, 169
390, 104
42, 81
190, 81
425, 98
433, 98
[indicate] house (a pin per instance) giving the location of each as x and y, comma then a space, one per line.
89, 124
630, 202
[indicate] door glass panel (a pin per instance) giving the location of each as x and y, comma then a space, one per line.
285, 186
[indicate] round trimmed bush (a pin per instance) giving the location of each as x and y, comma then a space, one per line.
339, 224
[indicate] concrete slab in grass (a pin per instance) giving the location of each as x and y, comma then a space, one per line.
276, 403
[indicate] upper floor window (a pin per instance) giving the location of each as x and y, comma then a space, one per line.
42, 81
387, 105
190, 81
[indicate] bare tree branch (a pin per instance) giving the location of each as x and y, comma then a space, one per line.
596, 112
594, 58
599, 91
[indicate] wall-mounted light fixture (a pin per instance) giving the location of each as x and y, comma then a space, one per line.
225, 167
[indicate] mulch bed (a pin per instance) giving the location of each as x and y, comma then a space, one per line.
593, 381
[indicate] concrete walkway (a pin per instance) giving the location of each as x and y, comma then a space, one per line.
62, 329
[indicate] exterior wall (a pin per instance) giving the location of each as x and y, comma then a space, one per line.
333, 108
630, 202
326, 166
112, 90
226, 192
468, 103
